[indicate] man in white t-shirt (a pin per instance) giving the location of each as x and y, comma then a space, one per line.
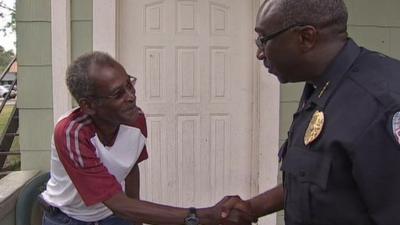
96, 149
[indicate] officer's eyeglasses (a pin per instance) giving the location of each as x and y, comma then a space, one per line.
121, 92
261, 41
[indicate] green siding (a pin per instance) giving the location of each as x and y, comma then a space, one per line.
290, 92
286, 114
34, 77
81, 38
394, 50
375, 25
81, 10
34, 43
290, 95
373, 13
37, 127
33, 10
35, 87
81, 27
374, 38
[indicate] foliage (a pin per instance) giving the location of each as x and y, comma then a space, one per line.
8, 28
5, 58
10, 25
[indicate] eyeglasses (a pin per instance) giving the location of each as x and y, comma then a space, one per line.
262, 40
121, 92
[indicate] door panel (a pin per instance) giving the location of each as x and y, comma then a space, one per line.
194, 67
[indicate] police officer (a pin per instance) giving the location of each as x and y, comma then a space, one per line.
341, 160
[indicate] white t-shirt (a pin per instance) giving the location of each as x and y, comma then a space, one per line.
84, 172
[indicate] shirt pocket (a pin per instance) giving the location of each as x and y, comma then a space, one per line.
306, 175
307, 166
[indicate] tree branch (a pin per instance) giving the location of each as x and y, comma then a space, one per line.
4, 6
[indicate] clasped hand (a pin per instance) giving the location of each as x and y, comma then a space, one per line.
234, 211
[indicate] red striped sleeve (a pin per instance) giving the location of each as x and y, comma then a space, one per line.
77, 154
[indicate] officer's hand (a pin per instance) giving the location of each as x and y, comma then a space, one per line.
236, 216
236, 211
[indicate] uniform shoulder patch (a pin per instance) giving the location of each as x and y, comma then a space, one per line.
396, 126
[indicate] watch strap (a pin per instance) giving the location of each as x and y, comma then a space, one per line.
192, 210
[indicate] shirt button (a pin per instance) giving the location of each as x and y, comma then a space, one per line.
302, 174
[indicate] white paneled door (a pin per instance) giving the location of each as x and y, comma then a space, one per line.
194, 63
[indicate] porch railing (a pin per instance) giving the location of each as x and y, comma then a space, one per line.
10, 130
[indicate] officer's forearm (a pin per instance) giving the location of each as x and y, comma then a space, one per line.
267, 202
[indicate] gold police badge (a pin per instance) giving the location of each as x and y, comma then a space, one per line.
314, 127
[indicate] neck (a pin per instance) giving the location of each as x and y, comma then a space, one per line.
329, 51
106, 132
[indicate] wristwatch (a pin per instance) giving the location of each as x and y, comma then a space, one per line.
192, 218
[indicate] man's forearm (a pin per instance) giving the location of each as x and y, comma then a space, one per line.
267, 202
152, 213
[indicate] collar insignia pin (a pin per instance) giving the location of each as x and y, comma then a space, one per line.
314, 127
323, 90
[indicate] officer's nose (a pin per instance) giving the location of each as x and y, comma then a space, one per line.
260, 54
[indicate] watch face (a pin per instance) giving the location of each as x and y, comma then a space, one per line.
192, 220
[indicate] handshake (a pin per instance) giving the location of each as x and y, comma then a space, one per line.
232, 210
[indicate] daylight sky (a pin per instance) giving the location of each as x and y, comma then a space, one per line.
7, 41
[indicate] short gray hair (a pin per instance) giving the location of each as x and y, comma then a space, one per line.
320, 13
77, 79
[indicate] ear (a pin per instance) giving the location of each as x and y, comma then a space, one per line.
308, 37
87, 106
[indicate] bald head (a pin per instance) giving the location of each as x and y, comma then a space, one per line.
319, 13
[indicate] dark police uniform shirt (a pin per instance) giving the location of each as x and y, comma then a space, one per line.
350, 174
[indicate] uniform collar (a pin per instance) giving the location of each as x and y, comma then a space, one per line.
330, 80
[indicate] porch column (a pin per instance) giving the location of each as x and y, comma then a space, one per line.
61, 55
105, 26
